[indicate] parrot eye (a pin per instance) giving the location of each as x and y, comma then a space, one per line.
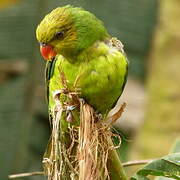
59, 35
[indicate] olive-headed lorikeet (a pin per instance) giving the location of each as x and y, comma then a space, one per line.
75, 41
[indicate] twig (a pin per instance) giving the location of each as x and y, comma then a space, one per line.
113, 118
12, 176
137, 162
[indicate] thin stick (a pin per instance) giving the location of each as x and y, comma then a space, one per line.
137, 162
12, 176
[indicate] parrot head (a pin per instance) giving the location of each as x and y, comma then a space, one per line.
68, 31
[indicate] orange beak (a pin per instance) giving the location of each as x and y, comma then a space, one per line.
47, 52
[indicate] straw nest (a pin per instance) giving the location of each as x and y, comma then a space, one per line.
85, 156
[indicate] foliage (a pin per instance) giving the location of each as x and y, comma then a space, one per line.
168, 166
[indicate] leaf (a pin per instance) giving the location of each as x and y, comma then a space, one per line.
175, 149
176, 146
168, 166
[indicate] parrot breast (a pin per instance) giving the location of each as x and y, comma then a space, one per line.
101, 72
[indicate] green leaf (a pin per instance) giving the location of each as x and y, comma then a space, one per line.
168, 166
176, 146
175, 149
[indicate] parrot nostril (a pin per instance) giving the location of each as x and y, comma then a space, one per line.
42, 44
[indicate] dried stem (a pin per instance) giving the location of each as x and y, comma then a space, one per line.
13, 176
136, 162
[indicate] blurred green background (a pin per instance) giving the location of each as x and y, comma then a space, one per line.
149, 32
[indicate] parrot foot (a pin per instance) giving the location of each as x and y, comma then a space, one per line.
69, 117
81, 100
69, 114
70, 108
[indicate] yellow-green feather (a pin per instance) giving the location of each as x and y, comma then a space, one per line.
81, 30
101, 72
87, 56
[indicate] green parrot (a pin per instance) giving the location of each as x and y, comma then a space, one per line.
75, 41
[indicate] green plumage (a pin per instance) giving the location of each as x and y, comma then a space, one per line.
101, 75
92, 61
81, 29
86, 52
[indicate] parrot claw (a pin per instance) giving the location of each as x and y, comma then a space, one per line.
69, 117
56, 95
81, 100
70, 108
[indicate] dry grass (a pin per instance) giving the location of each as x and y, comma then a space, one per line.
85, 158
